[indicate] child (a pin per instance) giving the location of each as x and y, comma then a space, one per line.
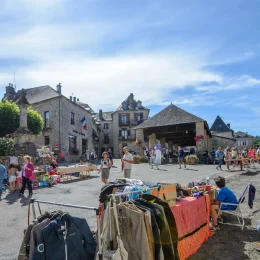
12, 177
105, 167
19, 178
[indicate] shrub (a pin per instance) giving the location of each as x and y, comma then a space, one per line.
5, 145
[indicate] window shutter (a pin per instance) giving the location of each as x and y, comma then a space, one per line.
120, 133
119, 118
141, 116
128, 118
136, 116
128, 132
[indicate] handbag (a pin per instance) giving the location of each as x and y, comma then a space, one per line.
120, 253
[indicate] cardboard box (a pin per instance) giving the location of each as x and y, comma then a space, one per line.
167, 193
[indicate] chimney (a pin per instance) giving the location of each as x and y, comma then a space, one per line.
100, 114
228, 125
59, 88
74, 99
70, 98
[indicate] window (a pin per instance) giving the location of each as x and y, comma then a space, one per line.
106, 126
46, 119
106, 137
46, 140
72, 143
124, 119
72, 118
140, 117
124, 134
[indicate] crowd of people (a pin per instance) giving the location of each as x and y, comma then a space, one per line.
18, 176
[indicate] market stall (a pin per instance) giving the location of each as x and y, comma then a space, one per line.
83, 170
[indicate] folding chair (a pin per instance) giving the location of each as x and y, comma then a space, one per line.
237, 212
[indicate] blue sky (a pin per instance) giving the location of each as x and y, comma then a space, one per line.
201, 55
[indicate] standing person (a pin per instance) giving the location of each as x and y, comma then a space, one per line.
206, 157
127, 161
88, 155
105, 167
19, 178
12, 177
2, 177
228, 157
92, 157
220, 156
158, 157
181, 157
28, 169
213, 155
152, 157
110, 156
192, 150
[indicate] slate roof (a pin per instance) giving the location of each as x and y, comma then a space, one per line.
171, 115
219, 126
127, 102
86, 106
106, 116
241, 134
38, 94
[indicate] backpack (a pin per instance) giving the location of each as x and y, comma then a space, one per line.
181, 153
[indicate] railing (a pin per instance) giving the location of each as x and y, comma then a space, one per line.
106, 141
131, 123
125, 123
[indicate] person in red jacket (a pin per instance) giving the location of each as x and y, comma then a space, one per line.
28, 175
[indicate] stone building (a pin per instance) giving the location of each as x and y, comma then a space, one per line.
244, 140
118, 127
222, 134
174, 127
62, 120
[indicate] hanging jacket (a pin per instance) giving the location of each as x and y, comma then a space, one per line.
251, 195
79, 239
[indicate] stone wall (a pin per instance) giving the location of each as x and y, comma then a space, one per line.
222, 142
37, 161
60, 124
108, 132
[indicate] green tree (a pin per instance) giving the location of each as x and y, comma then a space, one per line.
9, 119
35, 121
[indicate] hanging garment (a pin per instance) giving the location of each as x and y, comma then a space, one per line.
170, 219
156, 233
165, 235
106, 235
251, 195
35, 235
133, 233
79, 239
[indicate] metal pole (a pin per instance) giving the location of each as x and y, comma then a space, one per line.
100, 255
33, 208
66, 205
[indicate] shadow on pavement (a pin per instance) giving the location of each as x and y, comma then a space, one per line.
249, 173
230, 242
78, 180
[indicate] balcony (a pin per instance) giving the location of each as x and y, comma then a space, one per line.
106, 141
124, 123
128, 138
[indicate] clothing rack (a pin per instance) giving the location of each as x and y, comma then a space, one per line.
136, 191
96, 209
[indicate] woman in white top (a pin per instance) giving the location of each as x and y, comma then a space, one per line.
105, 167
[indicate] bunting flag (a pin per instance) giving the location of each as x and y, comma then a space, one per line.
83, 121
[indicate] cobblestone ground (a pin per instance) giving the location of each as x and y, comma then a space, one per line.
229, 243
